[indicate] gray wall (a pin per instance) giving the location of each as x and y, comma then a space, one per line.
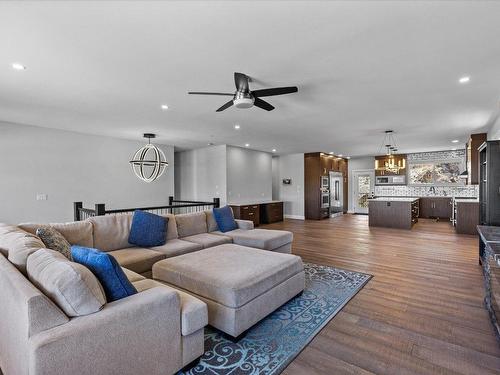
494, 132
249, 175
290, 166
357, 164
201, 174
70, 167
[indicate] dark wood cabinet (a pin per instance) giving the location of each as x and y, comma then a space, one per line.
247, 212
259, 213
271, 212
392, 213
467, 216
489, 183
316, 165
435, 207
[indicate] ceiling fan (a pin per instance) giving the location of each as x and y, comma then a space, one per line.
244, 98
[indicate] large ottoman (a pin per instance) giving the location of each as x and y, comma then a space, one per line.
279, 241
240, 285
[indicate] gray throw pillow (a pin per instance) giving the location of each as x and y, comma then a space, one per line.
73, 287
54, 240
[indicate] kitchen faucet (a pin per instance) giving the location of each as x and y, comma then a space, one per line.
433, 190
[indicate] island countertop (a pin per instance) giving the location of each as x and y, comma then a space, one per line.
394, 199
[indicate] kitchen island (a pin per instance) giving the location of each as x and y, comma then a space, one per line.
393, 212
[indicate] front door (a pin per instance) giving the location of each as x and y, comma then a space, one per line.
363, 186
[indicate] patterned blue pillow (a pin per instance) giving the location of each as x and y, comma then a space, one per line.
107, 270
225, 219
148, 230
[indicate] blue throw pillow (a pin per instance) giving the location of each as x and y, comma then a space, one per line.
225, 219
107, 270
148, 229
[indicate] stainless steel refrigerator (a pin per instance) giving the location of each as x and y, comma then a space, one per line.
336, 194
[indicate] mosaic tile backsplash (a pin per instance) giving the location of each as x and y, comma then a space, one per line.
426, 191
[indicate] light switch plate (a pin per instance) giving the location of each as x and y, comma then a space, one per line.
41, 197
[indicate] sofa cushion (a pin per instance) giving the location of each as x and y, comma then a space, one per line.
114, 281
17, 245
132, 276
194, 314
147, 229
70, 285
75, 232
211, 223
171, 227
266, 239
137, 259
223, 274
54, 240
225, 219
176, 247
191, 224
208, 239
111, 231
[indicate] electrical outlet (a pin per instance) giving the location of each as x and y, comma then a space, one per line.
41, 197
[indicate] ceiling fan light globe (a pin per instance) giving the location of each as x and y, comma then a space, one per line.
243, 102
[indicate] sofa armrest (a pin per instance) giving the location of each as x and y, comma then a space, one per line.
244, 224
140, 334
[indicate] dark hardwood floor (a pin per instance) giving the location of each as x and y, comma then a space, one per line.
422, 312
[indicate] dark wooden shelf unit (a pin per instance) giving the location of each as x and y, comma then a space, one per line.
475, 141
489, 183
316, 165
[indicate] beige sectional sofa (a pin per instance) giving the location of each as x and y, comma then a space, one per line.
137, 334
185, 233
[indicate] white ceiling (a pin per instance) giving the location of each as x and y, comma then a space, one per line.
361, 67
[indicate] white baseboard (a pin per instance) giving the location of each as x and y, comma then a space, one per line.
350, 211
298, 217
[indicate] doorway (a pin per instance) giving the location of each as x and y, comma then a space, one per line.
363, 182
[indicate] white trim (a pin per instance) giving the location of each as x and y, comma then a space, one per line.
354, 172
298, 217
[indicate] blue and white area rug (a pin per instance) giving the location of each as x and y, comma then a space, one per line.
270, 345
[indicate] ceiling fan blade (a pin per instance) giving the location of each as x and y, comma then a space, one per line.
225, 106
241, 82
275, 91
262, 104
210, 93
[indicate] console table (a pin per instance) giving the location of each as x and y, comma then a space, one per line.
489, 257
259, 212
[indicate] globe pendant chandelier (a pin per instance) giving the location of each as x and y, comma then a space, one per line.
149, 162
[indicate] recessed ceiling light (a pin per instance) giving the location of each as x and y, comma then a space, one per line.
18, 66
273, 150
453, 149
331, 152
454, 141
464, 79
247, 144
340, 155
236, 126
347, 157
210, 144
164, 107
